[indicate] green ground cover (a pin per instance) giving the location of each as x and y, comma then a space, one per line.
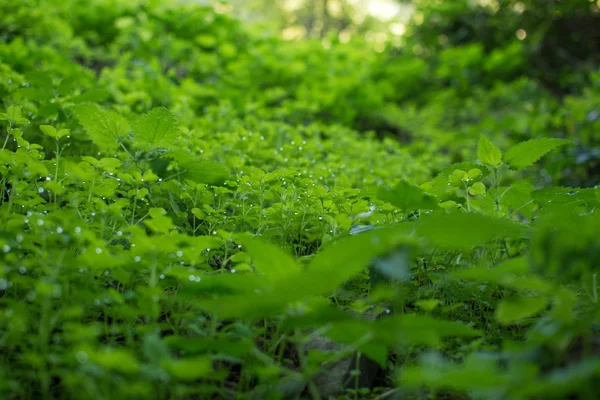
192, 209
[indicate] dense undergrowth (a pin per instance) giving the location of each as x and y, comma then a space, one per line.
188, 207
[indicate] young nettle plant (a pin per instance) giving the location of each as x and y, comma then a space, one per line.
484, 187
13, 117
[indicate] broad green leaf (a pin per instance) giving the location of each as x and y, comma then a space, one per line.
328, 270
459, 230
488, 153
270, 260
205, 171
199, 170
526, 153
53, 133
408, 197
116, 360
478, 188
105, 128
554, 196
159, 222
13, 113
344, 259
189, 369
413, 329
427, 305
158, 128
48, 130
477, 373
514, 310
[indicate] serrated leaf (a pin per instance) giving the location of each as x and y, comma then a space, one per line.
488, 153
105, 128
158, 128
526, 153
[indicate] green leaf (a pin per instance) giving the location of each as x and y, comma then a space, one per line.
48, 130
199, 170
459, 230
117, 360
158, 128
488, 153
517, 309
105, 128
478, 188
270, 260
13, 113
526, 153
190, 369
159, 222
408, 197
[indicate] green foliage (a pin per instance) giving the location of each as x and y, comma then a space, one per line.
190, 209
526, 153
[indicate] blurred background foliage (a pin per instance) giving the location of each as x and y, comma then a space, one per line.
447, 70
431, 74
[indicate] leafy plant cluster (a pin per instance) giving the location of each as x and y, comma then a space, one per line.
190, 209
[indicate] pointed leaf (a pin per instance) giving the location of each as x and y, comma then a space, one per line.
526, 153
488, 153
105, 128
514, 310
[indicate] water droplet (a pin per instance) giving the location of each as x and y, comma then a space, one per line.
137, 258
98, 250
81, 357
179, 253
192, 278
20, 238
22, 270
3, 284
6, 248
96, 302
233, 270
119, 233
162, 276
40, 222
77, 229
59, 230
214, 232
